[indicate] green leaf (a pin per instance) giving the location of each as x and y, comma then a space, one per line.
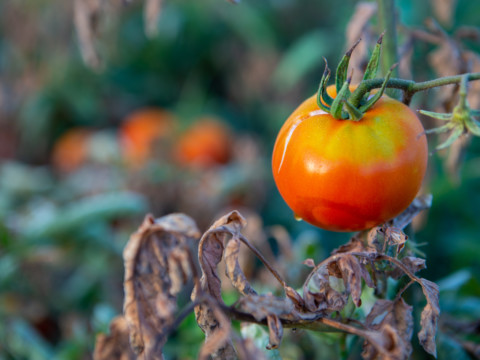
342, 68
337, 105
81, 213
374, 61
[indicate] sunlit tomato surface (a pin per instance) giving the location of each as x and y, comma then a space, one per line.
71, 149
343, 175
140, 131
207, 143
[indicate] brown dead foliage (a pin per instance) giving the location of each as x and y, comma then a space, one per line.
159, 263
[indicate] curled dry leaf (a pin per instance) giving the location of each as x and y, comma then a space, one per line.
358, 27
413, 265
158, 263
420, 203
86, 17
429, 317
234, 271
116, 345
396, 319
218, 344
271, 308
151, 13
210, 253
319, 295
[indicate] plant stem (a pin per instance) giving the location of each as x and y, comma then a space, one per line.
409, 87
388, 23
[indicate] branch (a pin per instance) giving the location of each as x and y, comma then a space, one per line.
409, 87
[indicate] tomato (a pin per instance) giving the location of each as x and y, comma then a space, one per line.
344, 175
70, 151
207, 143
140, 131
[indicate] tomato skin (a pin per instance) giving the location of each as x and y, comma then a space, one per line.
207, 143
343, 175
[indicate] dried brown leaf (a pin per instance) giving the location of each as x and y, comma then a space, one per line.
429, 317
275, 328
395, 237
413, 264
210, 254
319, 295
151, 13
217, 343
234, 272
295, 297
396, 319
355, 244
262, 306
420, 203
444, 10
353, 271
86, 17
358, 28
158, 263
309, 262
116, 345
384, 344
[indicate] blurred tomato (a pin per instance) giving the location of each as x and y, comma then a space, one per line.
140, 131
208, 142
71, 149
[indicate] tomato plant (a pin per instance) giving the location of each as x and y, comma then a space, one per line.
140, 131
349, 174
206, 143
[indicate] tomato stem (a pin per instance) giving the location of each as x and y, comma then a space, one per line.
409, 87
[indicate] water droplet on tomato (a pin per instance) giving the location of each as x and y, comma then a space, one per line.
297, 217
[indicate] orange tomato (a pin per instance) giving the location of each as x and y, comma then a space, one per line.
71, 149
344, 175
206, 143
140, 131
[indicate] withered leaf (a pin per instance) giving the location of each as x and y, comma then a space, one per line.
261, 306
275, 328
429, 317
395, 237
151, 13
353, 271
319, 295
358, 28
396, 317
413, 264
210, 253
384, 344
157, 263
86, 17
116, 345
234, 272
218, 344
419, 204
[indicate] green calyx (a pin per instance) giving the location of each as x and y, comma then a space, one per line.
348, 105
461, 121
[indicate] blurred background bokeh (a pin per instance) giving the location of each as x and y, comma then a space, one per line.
113, 109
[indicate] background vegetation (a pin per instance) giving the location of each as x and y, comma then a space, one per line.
62, 230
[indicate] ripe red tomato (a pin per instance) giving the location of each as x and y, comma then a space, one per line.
207, 143
343, 175
70, 151
139, 132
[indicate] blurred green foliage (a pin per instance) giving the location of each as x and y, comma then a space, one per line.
61, 235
